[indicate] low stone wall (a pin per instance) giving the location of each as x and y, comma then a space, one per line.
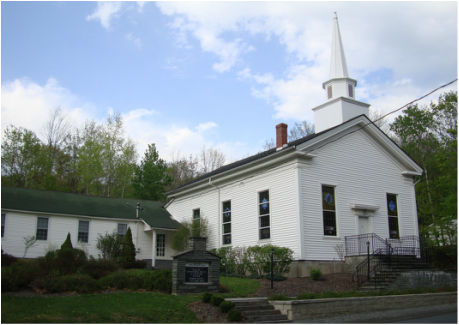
424, 279
323, 308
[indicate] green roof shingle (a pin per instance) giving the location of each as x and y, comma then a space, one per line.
153, 213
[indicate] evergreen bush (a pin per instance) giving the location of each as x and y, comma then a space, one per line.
67, 243
122, 280
128, 249
157, 280
306, 296
234, 315
216, 300
315, 274
8, 259
226, 306
254, 276
68, 283
19, 275
98, 268
206, 296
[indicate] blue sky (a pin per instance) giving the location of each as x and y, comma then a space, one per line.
219, 74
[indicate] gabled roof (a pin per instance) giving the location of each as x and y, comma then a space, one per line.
295, 143
20, 199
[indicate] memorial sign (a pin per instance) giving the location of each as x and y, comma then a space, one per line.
196, 272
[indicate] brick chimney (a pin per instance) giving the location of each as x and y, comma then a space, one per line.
281, 135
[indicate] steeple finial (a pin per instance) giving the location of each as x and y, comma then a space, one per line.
338, 68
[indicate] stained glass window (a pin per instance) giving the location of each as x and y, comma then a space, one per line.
226, 222
42, 228
263, 210
392, 211
329, 210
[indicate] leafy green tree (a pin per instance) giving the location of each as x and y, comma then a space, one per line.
109, 245
20, 150
67, 243
189, 228
150, 177
429, 136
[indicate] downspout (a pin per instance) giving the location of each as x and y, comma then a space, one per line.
218, 213
415, 209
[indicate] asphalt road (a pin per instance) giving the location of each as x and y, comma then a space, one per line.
438, 314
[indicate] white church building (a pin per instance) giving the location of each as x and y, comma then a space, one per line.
311, 194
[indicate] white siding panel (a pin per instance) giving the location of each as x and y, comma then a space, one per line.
361, 173
282, 185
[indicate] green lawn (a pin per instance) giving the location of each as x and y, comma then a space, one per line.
124, 307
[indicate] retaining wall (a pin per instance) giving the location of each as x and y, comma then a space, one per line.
325, 308
424, 279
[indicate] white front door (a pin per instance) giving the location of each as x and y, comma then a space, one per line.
364, 228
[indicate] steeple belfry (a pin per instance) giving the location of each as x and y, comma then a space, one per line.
339, 89
338, 67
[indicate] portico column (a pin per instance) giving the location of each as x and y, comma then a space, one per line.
153, 251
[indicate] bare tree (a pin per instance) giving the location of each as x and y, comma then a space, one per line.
57, 129
298, 131
210, 159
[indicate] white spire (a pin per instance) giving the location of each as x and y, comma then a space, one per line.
338, 67
339, 90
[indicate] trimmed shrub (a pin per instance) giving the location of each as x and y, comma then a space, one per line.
278, 297
315, 274
276, 277
224, 288
306, 296
234, 315
19, 275
258, 259
157, 280
136, 264
206, 296
226, 306
67, 243
254, 276
63, 261
68, 283
216, 300
122, 280
8, 259
99, 268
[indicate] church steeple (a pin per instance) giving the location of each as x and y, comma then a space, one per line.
338, 67
339, 89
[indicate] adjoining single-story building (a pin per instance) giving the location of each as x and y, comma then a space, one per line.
50, 216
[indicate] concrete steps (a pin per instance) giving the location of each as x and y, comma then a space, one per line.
258, 310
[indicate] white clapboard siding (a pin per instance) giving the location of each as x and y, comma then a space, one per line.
361, 173
282, 184
21, 224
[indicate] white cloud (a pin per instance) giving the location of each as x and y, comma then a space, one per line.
105, 12
27, 104
134, 40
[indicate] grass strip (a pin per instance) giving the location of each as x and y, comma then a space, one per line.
239, 287
124, 307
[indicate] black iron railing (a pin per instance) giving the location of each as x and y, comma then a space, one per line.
384, 256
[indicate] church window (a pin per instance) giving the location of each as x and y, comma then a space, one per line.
329, 210
329, 92
392, 212
226, 223
351, 91
263, 215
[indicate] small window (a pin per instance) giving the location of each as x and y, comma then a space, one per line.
329, 92
83, 231
196, 214
226, 223
351, 91
3, 225
122, 228
160, 245
392, 212
42, 228
263, 215
329, 210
